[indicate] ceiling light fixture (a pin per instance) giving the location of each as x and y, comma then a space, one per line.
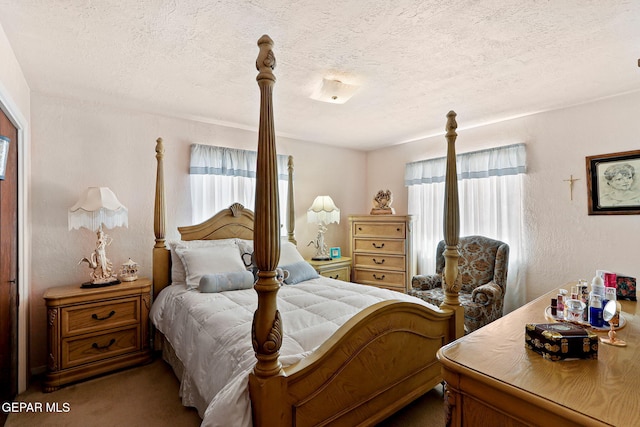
334, 91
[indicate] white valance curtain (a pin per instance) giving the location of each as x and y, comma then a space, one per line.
221, 176
490, 193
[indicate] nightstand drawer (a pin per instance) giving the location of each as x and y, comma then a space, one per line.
81, 350
394, 230
343, 273
100, 316
386, 246
381, 278
390, 262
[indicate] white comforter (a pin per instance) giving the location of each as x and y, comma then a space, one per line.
211, 335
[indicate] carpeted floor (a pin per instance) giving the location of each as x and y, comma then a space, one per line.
148, 396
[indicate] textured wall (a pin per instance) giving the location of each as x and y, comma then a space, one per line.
562, 242
80, 144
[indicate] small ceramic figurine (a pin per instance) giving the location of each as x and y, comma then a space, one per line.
281, 275
98, 261
382, 203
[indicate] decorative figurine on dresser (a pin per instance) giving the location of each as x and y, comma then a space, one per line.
382, 203
381, 250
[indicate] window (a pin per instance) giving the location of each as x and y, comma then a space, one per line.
221, 176
490, 194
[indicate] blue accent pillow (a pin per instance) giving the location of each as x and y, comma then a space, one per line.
221, 282
299, 272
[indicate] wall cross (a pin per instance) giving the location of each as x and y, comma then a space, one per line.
571, 180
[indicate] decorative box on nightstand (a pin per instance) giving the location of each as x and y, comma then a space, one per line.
337, 268
92, 331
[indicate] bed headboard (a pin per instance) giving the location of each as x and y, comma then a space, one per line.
236, 221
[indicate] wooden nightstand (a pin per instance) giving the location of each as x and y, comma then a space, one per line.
92, 331
337, 268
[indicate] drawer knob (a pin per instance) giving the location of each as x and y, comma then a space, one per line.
377, 246
104, 347
95, 316
378, 278
378, 262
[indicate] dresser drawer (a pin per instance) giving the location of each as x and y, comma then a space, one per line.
87, 349
380, 278
395, 230
343, 273
386, 262
379, 246
99, 316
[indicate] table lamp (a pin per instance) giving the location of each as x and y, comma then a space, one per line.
323, 211
98, 207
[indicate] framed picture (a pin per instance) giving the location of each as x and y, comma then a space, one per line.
335, 253
613, 183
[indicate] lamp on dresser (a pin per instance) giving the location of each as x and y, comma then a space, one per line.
98, 207
323, 211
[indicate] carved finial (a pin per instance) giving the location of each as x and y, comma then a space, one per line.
266, 61
159, 147
451, 125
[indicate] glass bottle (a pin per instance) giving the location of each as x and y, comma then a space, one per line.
595, 311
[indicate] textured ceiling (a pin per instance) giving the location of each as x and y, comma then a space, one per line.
415, 60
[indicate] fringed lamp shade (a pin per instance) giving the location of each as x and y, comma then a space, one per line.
98, 207
323, 211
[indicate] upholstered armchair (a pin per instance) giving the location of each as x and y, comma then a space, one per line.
483, 265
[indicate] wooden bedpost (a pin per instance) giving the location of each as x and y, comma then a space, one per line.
452, 228
291, 211
266, 332
160, 256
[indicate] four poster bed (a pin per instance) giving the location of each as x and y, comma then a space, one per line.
319, 352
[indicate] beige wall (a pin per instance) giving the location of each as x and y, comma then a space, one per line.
80, 144
562, 241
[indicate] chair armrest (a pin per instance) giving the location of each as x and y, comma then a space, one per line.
487, 294
426, 282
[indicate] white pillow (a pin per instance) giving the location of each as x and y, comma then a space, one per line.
289, 254
199, 261
178, 274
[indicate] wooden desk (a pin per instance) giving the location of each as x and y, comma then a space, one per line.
492, 379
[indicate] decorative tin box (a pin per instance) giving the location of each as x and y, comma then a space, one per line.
559, 341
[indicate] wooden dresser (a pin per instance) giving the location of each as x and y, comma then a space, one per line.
336, 268
381, 250
92, 331
493, 380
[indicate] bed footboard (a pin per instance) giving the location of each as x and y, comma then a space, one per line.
363, 373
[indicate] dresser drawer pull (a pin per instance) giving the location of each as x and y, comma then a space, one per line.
334, 277
377, 246
95, 316
378, 262
105, 347
378, 278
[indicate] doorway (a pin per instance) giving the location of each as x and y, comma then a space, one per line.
9, 299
